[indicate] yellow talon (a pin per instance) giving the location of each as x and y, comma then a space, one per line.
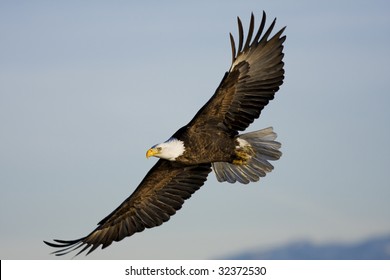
243, 155
238, 162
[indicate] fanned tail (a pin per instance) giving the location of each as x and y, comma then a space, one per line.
255, 149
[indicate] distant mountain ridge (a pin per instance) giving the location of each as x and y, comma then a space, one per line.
372, 249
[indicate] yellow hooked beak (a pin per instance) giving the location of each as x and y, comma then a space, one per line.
151, 152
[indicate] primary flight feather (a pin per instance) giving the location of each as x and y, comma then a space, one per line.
210, 141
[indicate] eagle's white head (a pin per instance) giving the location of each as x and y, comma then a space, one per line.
169, 150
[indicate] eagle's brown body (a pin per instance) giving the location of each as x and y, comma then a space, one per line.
219, 144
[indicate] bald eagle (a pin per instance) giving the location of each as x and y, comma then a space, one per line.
210, 141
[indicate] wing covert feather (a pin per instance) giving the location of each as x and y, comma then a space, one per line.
253, 79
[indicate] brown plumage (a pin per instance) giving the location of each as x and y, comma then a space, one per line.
152, 203
252, 81
209, 139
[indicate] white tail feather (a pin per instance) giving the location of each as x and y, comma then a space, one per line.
264, 149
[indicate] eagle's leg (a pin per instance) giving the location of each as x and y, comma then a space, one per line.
243, 155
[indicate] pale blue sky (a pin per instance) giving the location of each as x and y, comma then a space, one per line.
86, 87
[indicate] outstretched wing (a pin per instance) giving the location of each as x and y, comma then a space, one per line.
160, 194
254, 77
